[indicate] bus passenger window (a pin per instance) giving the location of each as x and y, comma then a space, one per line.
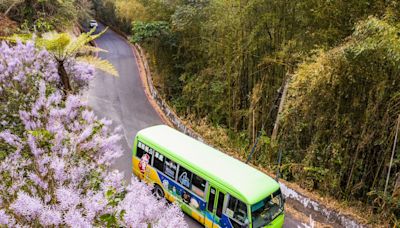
211, 199
184, 177
237, 210
139, 150
143, 149
221, 198
170, 168
198, 185
158, 161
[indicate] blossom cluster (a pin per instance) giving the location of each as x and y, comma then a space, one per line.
22, 62
22, 67
56, 171
81, 73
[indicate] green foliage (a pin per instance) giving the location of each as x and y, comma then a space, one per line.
142, 31
95, 179
223, 62
387, 205
109, 219
108, 12
46, 15
341, 112
100, 64
113, 198
64, 46
40, 25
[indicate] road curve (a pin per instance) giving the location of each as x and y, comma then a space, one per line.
122, 99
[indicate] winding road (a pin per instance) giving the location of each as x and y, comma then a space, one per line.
122, 99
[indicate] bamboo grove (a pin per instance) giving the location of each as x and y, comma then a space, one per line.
227, 61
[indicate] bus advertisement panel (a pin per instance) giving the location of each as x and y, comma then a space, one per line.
213, 188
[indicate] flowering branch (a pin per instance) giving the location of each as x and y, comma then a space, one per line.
56, 167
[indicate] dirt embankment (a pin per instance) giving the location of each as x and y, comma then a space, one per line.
7, 26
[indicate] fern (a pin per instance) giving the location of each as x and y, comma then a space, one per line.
100, 64
63, 46
87, 49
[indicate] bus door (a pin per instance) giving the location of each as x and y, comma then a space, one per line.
215, 204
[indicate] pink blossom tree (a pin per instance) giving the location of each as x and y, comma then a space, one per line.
55, 165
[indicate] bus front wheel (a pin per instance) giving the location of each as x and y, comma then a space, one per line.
158, 192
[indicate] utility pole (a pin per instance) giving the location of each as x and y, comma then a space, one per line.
393, 150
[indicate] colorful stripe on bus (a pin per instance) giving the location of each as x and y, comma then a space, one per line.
193, 205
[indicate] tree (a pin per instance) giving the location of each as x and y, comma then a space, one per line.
340, 118
66, 49
7, 6
224, 61
46, 15
56, 154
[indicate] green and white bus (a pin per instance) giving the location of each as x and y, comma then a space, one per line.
212, 187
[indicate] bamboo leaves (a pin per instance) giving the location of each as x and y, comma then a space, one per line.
341, 111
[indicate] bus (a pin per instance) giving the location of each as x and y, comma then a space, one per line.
210, 186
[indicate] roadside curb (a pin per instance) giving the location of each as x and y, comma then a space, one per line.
164, 110
159, 105
142, 74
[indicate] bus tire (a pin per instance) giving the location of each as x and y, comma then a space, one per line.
158, 192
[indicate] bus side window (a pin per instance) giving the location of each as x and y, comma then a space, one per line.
198, 185
237, 210
221, 198
139, 150
158, 161
143, 149
170, 168
184, 177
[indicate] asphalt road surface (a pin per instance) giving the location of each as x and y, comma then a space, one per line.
122, 99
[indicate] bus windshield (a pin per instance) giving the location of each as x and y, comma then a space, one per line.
267, 209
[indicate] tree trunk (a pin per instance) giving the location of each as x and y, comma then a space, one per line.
9, 8
391, 158
64, 78
280, 109
396, 190
350, 178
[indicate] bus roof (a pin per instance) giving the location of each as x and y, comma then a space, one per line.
247, 182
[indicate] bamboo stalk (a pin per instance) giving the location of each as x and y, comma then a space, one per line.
280, 108
393, 150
